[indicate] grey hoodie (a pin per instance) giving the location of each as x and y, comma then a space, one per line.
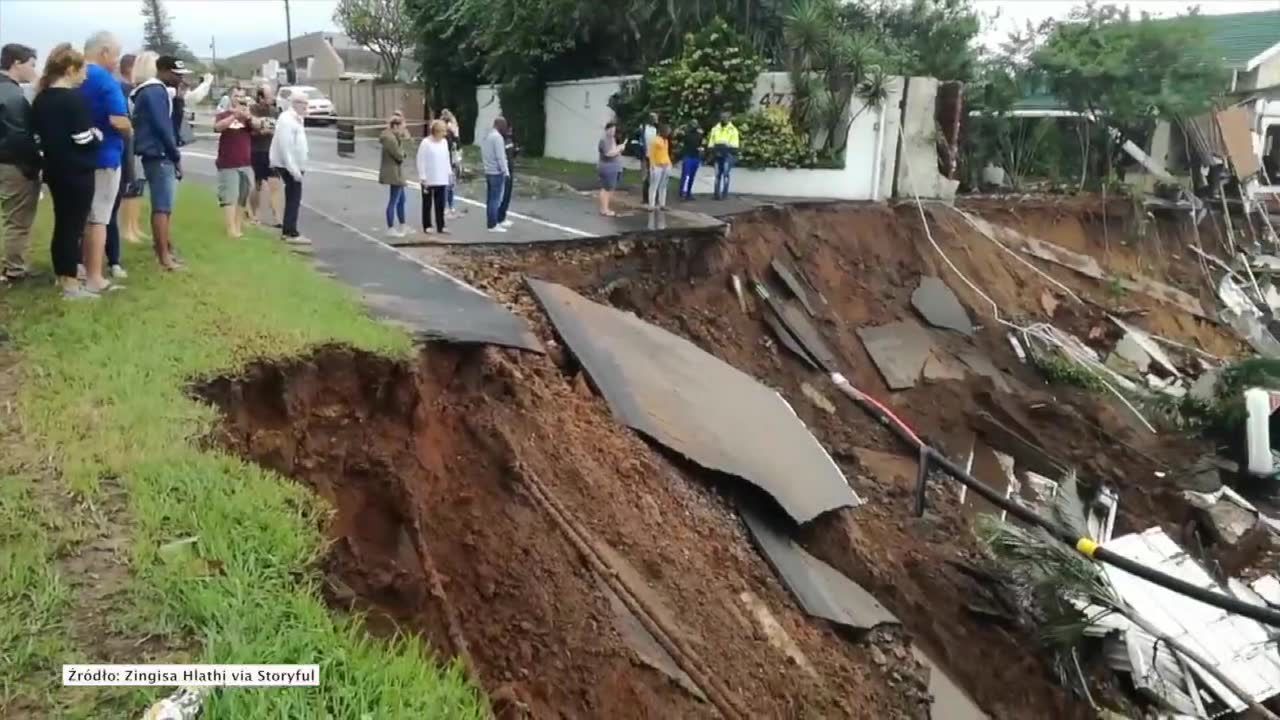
493, 153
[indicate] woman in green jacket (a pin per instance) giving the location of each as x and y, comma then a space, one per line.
395, 148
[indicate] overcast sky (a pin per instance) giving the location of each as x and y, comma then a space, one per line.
239, 25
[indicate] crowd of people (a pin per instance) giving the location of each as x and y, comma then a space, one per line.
439, 166
94, 118
653, 146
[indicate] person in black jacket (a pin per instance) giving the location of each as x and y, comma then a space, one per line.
19, 160
69, 142
691, 159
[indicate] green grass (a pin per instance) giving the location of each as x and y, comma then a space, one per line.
103, 395
578, 175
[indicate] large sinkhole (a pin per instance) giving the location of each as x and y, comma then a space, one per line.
618, 589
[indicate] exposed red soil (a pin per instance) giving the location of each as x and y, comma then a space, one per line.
434, 455
866, 260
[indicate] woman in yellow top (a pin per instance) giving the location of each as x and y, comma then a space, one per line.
659, 168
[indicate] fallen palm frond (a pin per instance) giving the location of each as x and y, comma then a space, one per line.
1057, 581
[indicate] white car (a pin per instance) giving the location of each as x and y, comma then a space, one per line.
319, 107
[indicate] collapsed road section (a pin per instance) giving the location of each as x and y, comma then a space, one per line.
791, 295
493, 504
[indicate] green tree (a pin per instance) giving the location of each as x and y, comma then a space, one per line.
715, 72
1106, 63
382, 26
831, 61
157, 28
936, 38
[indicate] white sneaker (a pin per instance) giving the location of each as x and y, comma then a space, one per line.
393, 232
298, 240
497, 229
507, 223
404, 231
118, 273
79, 293
81, 273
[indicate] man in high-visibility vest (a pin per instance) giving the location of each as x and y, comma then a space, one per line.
724, 143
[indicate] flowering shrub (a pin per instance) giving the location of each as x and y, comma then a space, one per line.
770, 139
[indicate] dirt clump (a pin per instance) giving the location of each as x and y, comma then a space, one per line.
439, 529
864, 261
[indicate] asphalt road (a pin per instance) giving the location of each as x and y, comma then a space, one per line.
347, 189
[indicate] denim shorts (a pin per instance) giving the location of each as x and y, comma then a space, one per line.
163, 179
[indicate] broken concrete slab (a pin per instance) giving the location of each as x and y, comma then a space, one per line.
785, 337
939, 306
899, 351
697, 405
981, 365
821, 590
1132, 353
801, 328
818, 399
940, 368
788, 276
774, 633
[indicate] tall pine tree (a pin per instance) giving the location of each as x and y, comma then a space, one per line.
157, 28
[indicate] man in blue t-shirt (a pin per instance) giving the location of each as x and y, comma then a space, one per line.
110, 115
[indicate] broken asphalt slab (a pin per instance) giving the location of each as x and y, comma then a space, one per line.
821, 590
433, 304
671, 391
940, 307
899, 351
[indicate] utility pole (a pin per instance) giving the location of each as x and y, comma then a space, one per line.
213, 51
290, 73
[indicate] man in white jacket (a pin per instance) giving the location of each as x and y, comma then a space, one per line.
289, 160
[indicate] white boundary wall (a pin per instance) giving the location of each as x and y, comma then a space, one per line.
576, 112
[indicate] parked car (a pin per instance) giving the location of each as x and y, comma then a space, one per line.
319, 108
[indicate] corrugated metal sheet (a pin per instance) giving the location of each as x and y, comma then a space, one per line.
1241, 648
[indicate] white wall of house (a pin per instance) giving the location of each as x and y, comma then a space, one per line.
576, 114
490, 109
577, 111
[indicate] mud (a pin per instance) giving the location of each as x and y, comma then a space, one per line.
427, 466
437, 530
865, 261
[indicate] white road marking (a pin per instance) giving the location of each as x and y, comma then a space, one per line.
366, 236
356, 172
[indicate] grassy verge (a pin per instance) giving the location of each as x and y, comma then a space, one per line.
102, 396
577, 175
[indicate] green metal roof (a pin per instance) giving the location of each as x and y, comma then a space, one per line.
1240, 37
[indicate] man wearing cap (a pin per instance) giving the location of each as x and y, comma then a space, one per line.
110, 115
157, 145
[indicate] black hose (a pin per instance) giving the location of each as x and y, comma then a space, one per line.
1084, 545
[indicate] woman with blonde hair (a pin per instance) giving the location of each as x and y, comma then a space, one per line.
69, 143
395, 148
433, 174
454, 135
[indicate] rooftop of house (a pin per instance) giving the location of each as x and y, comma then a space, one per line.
1244, 39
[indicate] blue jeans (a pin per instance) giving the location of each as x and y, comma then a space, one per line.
495, 186
688, 171
724, 166
395, 205
506, 198
162, 178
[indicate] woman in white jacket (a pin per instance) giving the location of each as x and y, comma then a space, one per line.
434, 168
